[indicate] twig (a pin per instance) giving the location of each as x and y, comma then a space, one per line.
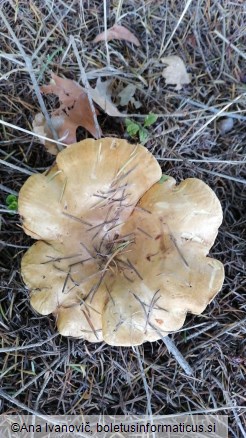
199, 332
44, 41
33, 78
243, 55
20, 405
57, 142
149, 410
201, 411
215, 116
106, 30
11, 244
211, 109
162, 50
178, 356
226, 329
37, 376
205, 160
86, 85
228, 400
222, 175
119, 7
47, 419
211, 172
7, 190
223, 15
26, 347
174, 350
13, 166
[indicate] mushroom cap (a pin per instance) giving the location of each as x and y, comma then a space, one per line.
91, 179
120, 257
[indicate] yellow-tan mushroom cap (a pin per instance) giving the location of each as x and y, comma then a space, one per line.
120, 257
90, 180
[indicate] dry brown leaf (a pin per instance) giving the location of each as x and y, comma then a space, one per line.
175, 73
75, 109
102, 96
40, 127
117, 32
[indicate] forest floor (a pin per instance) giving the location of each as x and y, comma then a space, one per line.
50, 374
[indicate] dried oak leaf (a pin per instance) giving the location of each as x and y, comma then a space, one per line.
117, 32
175, 73
101, 94
74, 110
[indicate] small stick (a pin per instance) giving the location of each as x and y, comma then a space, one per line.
33, 77
20, 405
178, 356
215, 116
163, 49
11, 244
35, 378
242, 54
106, 30
206, 160
7, 190
34, 134
175, 352
222, 175
86, 85
13, 166
26, 347
146, 387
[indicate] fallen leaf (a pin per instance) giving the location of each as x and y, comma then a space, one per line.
132, 128
74, 110
127, 94
175, 73
65, 89
143, 135
136, 103
150, 119
40, 127
101, 94
117, 32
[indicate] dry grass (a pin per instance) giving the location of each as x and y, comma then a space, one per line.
52, 374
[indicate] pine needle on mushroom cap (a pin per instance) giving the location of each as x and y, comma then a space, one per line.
120, 257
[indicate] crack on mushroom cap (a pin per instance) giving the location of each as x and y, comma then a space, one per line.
120, 257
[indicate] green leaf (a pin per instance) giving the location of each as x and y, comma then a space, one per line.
132, 128
143, 135
10, 199
163, 178
13, 206
150, 119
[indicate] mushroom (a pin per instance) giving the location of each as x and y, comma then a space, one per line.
121, 256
